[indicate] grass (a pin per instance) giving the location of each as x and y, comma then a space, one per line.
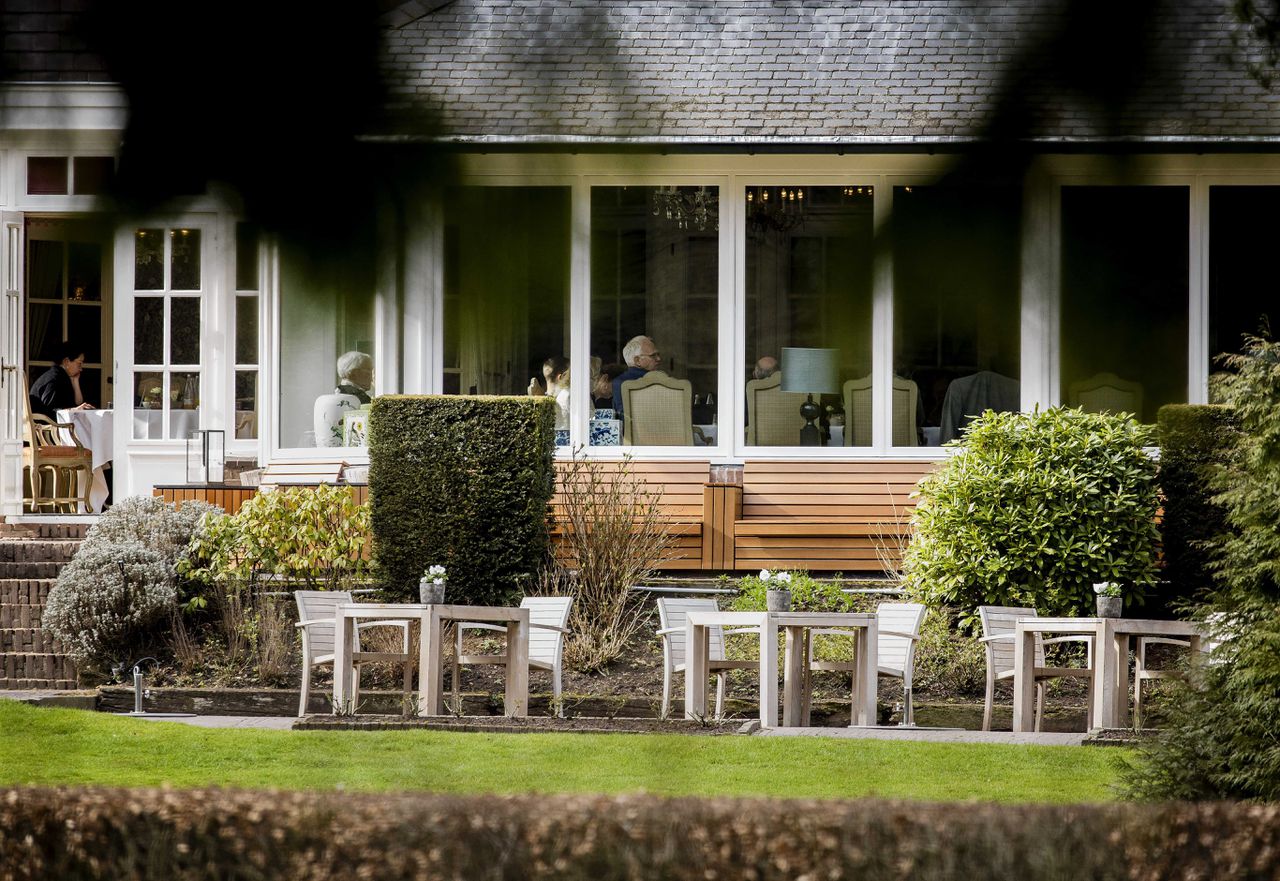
54, 747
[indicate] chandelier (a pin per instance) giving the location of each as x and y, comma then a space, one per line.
777, 209
687, 207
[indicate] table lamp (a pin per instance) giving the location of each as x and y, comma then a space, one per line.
810, 372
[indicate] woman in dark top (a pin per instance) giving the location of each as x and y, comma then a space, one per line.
58, 388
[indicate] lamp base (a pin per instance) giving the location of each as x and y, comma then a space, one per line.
809, 435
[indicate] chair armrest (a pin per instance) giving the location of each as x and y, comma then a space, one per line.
308, 623
1148, 640
911, 636
732, 631
999, 637
546, 627
476, 625
395, 622
667, 631
1078, 638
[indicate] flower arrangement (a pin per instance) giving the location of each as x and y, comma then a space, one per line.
435, 574
431, 585
1107, 589
780, 580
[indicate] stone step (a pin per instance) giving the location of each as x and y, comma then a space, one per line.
38, 550
7, 684
28, 640
29, 570
36, 665
25, 591
30, 530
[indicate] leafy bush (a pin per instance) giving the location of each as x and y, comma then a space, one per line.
314, 536
613, 535
103, 615
807, 594
463, 482
1220, 742
1193, 439
1032, 509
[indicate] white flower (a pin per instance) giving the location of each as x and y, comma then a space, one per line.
783, 577
436, 572
1100, 587
764, 575
438, 581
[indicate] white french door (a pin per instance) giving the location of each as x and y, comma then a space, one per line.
11, 385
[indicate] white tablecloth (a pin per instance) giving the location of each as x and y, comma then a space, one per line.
94, 430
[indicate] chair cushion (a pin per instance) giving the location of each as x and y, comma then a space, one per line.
63, 452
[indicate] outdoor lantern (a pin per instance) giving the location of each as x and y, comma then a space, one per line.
810, 372
206, 456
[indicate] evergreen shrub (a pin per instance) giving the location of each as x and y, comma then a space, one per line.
463, 482
1194, 438
1032, 509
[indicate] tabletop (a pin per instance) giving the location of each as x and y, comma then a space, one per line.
782, 619
1134, 626
443, 610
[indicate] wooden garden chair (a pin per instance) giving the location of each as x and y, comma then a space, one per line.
999, 624
316, 613
672, 629
548, 625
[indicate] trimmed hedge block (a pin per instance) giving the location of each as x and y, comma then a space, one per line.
175, 834
1193, 439
461, 481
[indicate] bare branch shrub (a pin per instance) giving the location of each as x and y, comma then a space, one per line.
612, 535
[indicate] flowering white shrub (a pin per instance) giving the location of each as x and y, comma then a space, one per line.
103, 614
151, 522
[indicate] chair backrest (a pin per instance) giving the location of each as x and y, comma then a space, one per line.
321, 605
672, 613
37, 430
1106, 393
657, 410
773, 416
894, 651
545, 645
857, 412
1003, 619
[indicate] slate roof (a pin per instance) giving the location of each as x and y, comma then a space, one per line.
801, 71
42, 42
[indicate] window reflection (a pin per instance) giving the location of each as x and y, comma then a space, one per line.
956, 320
1241, 266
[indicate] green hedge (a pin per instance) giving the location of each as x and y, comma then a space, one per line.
1193, 438
463, 482
170, 835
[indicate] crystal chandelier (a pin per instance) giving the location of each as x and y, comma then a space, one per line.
777, 209
687, 207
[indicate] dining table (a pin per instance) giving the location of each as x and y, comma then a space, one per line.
431, 618
1111, 639
94, 429
793, 625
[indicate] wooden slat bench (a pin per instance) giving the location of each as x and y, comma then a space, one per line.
832, 516
680, 486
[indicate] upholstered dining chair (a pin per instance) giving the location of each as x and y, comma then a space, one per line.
657, 411
773, 416
1106, 393
53, 464
857, 412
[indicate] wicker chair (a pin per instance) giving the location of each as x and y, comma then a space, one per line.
657, 411
1106, 393
773, 416
49, 462
857, 412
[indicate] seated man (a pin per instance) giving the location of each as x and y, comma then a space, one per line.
641, 356
355, 376
766, 367
58, 388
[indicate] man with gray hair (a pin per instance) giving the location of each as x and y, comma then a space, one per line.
766, 367
641, 356
355, 375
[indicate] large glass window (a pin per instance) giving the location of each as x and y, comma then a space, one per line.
956, 323
654, 315
247, 274
168, 285
326, 346
1124, 298
809, 259
1242, 284
506, 294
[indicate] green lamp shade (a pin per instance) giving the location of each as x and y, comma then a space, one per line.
811, 371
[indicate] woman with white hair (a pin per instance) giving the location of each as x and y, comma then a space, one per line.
355, 376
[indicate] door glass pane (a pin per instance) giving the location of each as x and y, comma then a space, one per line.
1242, 287
44, 270
184, 404
1124, 298
654, 326
184, 330
148, 404
84, 271
184, 273
956, 335
148, 259
44, 330
246, 330
246, 403
148, 330
809, 257
84, 327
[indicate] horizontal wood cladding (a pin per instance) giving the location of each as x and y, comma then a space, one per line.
230, 498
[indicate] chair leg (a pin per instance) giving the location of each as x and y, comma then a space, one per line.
1137, 702
665, 710
908, 706
306, 687
1039, 704
986, 707
408, 680
455, 684
720, 677
355, 691
555, 693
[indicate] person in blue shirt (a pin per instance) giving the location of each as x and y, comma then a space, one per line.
641, 356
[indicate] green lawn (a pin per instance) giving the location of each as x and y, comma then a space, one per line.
48, 746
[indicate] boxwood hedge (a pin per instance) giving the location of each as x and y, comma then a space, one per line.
461, 481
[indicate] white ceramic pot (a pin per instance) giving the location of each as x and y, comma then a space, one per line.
326, 417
